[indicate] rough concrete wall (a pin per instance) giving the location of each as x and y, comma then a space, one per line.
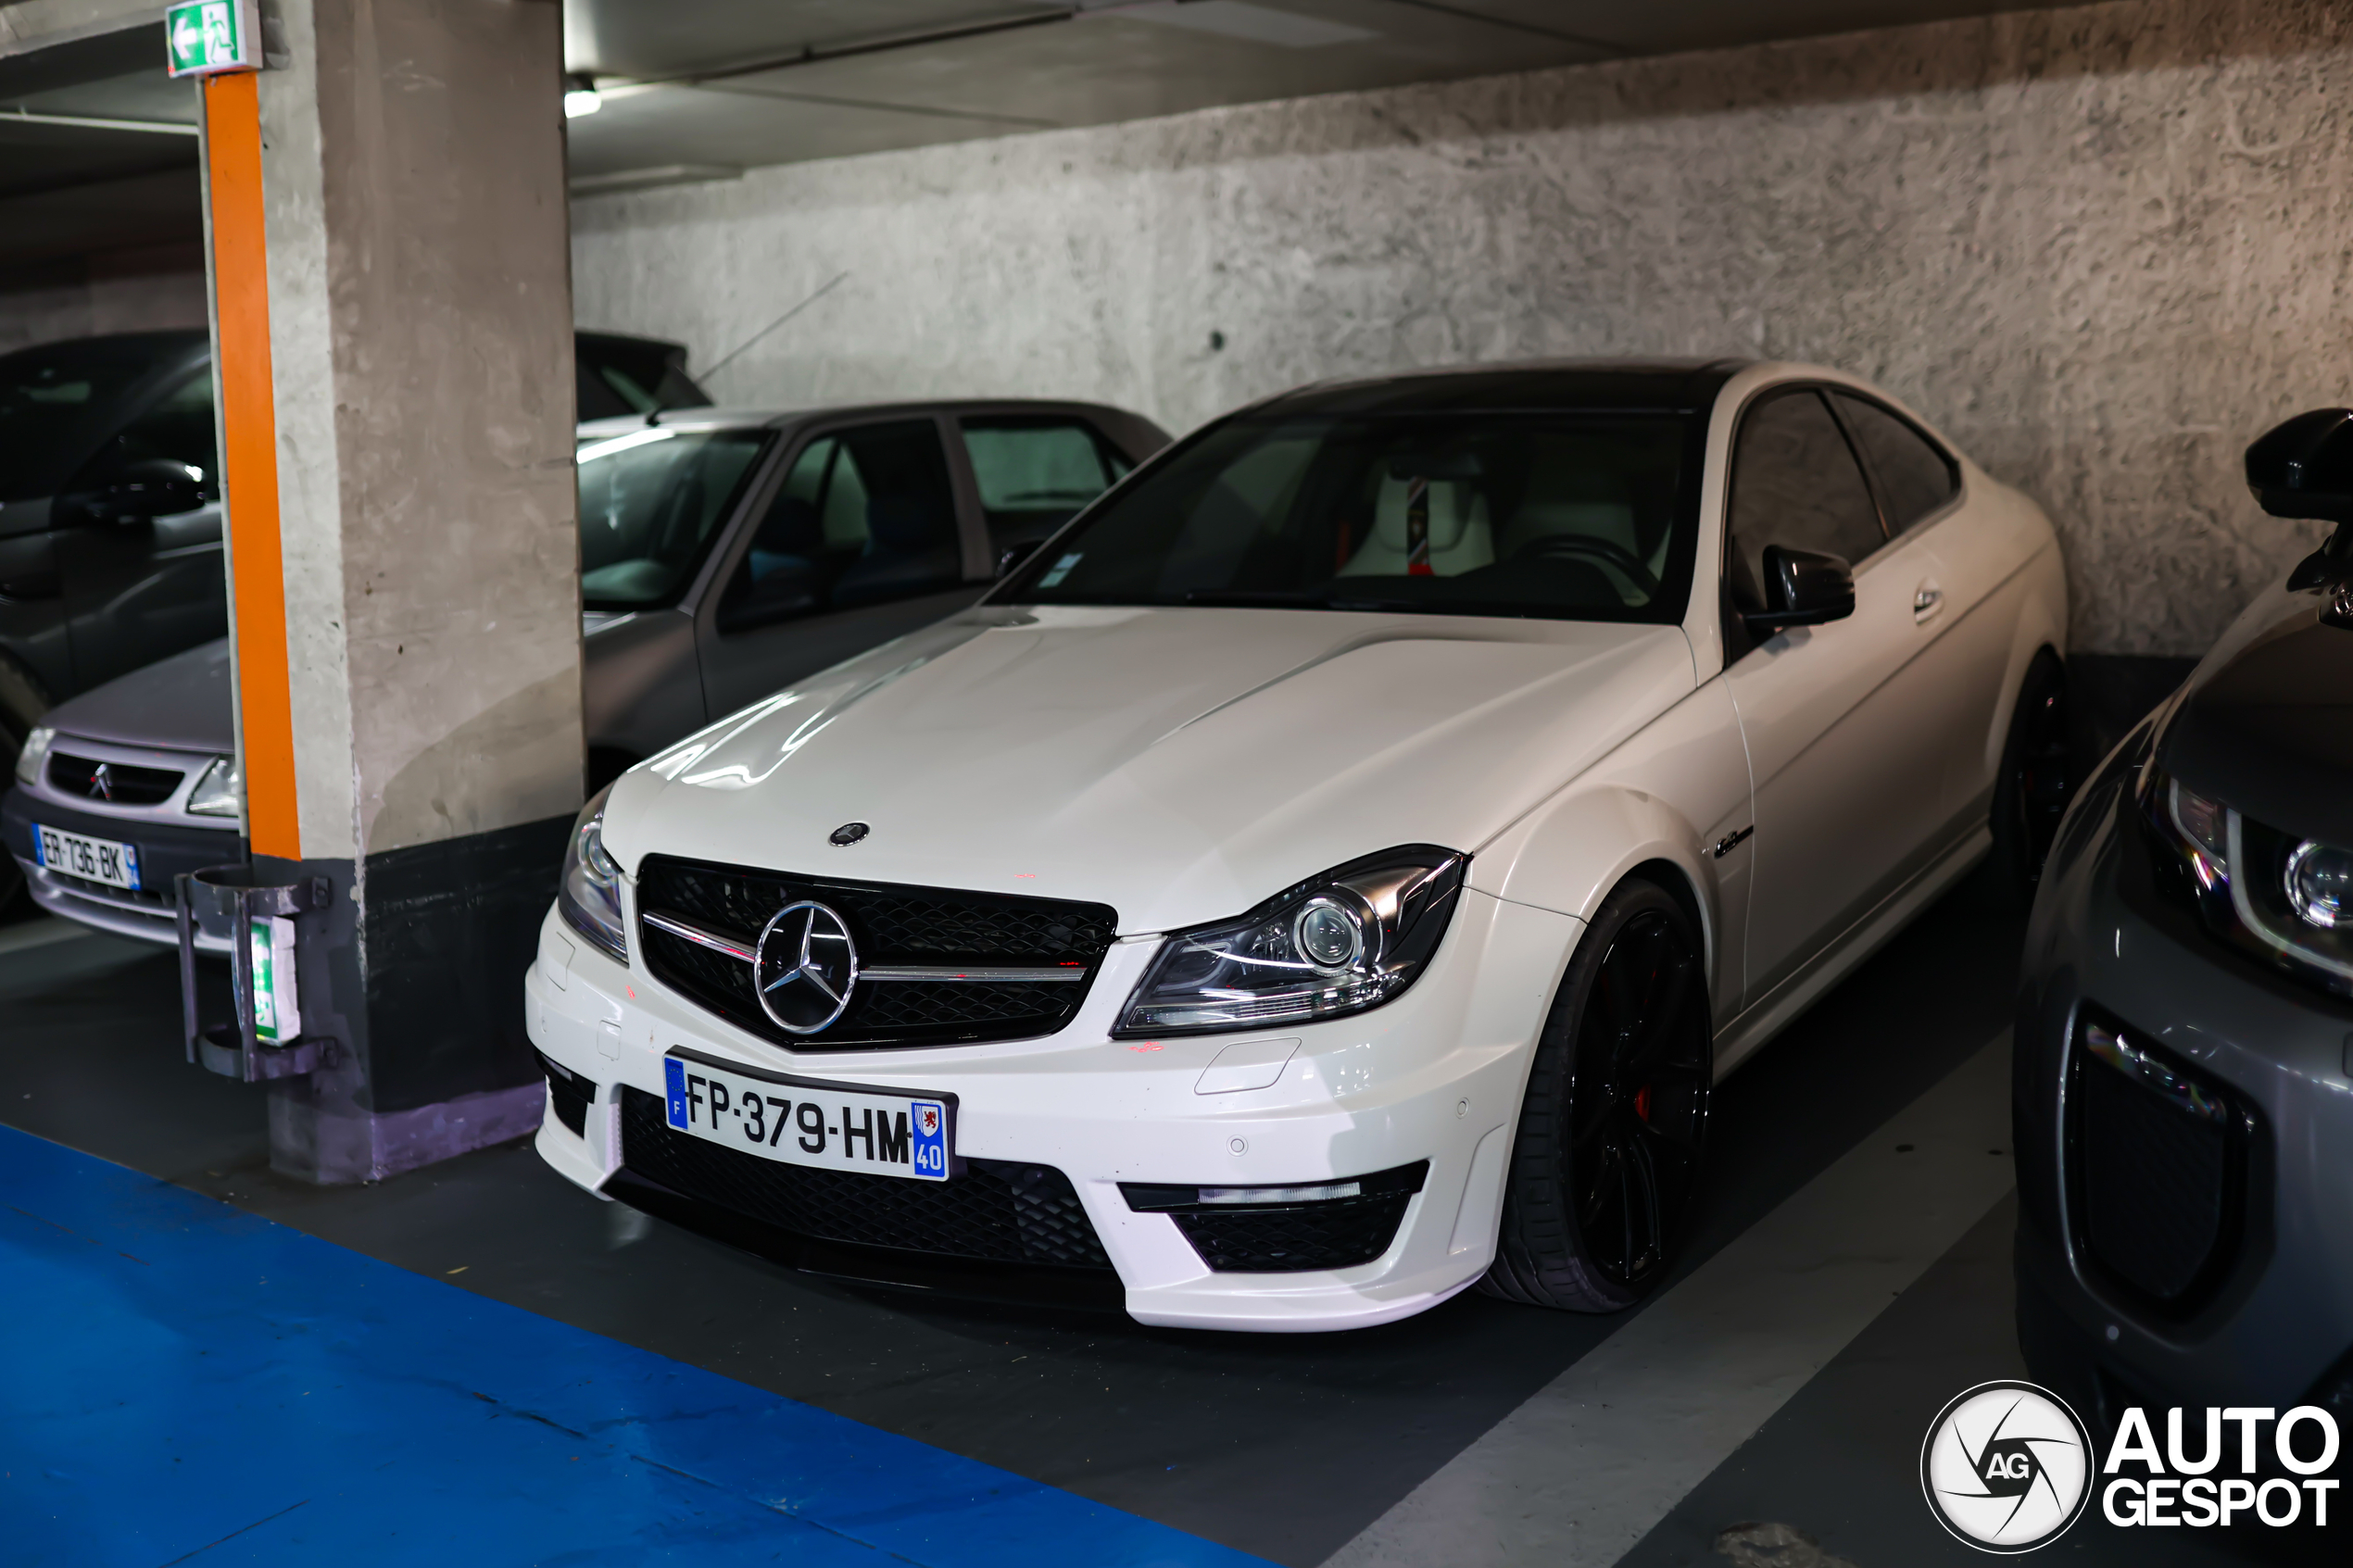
2102, 247
135, 292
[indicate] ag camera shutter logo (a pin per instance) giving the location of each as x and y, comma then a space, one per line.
2006, 1467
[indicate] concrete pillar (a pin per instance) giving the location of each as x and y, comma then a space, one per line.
393, 313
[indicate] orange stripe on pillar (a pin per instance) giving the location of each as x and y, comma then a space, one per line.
249, 460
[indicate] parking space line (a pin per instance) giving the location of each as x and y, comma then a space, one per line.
1577, 1475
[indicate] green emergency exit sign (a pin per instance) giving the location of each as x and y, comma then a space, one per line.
207, 37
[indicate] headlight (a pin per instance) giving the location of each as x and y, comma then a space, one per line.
2277, 895
2319, 885
589, 894
1340, 942
36, 749
220, 790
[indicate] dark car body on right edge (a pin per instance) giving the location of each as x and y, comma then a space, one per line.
2183, 1088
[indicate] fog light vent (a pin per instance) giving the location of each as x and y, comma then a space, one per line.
1296, 1229
569, 1094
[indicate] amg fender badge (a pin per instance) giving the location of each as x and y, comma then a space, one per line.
849, 833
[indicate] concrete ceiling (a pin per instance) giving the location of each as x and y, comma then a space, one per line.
710, 86
68, 191
704, 89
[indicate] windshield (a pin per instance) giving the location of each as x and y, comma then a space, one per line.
650, 502
56, 401
1571, 516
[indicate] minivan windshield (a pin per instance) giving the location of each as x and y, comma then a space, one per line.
1583, 517
58, 399
651, 503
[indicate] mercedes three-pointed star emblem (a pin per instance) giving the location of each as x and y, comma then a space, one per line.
806, 967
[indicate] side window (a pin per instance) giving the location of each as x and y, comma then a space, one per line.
179, 427
864, 515
1794, 484
1915, 477
1035, 473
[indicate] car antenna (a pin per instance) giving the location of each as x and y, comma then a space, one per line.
729, 358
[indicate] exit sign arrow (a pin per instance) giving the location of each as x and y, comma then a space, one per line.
207, 37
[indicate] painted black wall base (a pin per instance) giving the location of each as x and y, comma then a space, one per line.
415, 970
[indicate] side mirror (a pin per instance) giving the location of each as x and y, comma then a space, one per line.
2304, 467
1801, 589
152, 488
1008, 560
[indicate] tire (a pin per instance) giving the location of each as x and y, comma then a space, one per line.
2031, 791
21, 704
1614, 1120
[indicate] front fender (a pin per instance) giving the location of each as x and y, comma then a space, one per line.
1668, 797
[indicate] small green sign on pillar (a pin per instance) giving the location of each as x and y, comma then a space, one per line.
207, 37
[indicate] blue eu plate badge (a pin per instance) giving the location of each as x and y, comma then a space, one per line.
929, 1119
674, 1081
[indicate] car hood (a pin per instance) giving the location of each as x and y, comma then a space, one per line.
182, 703
2266, 722
1179, 765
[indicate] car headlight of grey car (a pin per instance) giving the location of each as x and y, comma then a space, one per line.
220, 790
36, 748
2275, 895
1350, 940
589, 892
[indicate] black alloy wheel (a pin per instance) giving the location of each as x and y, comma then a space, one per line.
1615, 1120
2032, 793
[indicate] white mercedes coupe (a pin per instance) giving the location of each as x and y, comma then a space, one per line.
1334, 869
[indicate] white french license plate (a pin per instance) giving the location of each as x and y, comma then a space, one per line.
92, 859
808, 1121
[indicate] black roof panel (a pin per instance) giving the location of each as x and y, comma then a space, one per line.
1680, 384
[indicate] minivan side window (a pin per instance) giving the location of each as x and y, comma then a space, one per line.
178, 426
1794, 484
863, 516
1914, 479
1035, 471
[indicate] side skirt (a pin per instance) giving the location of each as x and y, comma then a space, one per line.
1740, 1038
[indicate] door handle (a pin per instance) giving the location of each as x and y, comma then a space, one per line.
1926, 599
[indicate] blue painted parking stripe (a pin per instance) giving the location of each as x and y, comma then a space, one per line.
187, 1383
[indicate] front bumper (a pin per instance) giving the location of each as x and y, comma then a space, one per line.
1435, 1076
149, 915
2274, 1328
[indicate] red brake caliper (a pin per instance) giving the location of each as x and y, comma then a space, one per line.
1642, 1102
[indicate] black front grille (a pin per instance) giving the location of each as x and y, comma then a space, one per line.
2159, 1156
998, 1210
890, 925
116, 782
